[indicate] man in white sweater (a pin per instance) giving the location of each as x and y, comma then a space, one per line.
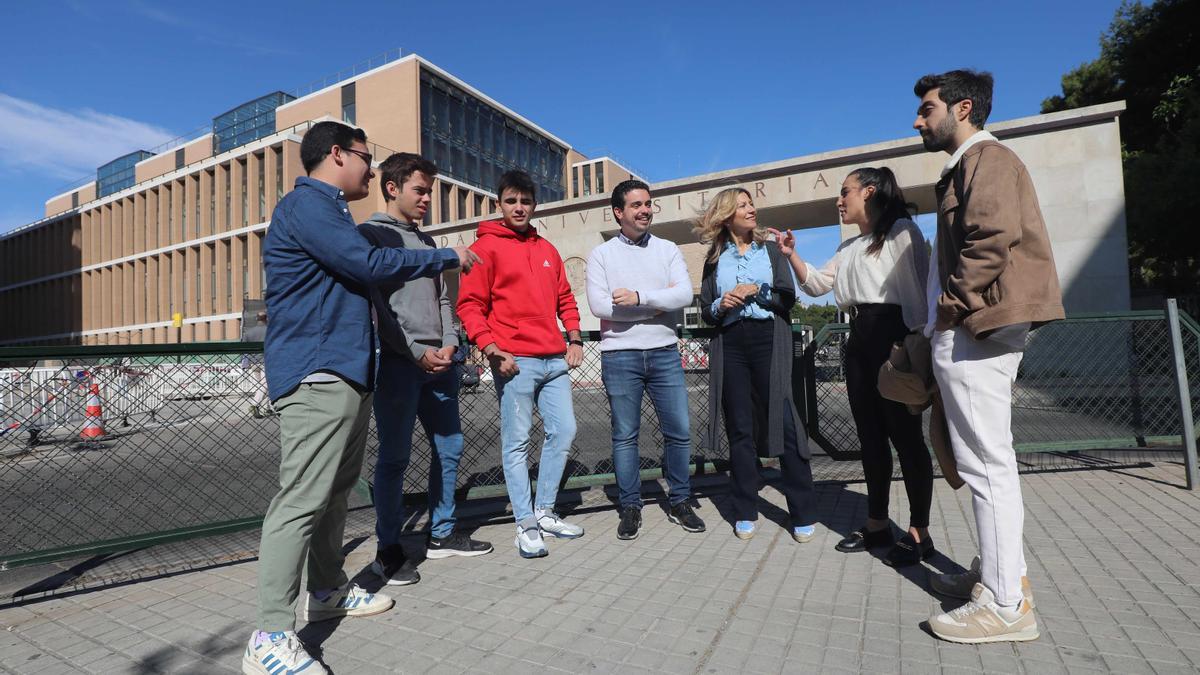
635, 281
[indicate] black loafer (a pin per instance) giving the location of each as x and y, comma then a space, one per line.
908, 552
863, 539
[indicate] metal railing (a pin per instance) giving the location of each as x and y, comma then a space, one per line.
1092, 382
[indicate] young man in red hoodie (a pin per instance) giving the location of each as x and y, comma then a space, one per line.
511, 309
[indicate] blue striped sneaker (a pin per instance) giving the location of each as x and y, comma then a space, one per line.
349, 600
279, 653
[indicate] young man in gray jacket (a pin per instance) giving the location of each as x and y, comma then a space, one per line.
418, 378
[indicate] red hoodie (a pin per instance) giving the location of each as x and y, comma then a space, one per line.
517, 295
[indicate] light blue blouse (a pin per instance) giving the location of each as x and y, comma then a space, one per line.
733, 268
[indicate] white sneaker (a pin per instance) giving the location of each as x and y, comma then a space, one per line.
551, 524
982, 620
529, 542
349, 600
276, 653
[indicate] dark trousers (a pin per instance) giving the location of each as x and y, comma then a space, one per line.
879, 420
745, 390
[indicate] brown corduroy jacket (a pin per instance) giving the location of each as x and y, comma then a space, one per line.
994, 254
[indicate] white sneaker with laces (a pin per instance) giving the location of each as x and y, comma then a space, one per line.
349, 600
278, 653
982, 620
549, 523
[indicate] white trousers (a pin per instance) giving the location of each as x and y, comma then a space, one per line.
976, 378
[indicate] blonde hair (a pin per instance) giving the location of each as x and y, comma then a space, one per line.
713, 225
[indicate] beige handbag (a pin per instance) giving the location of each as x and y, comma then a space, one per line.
907, 377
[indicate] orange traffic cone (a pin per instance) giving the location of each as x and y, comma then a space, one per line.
93, 426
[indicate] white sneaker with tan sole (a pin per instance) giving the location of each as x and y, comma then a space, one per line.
982, 620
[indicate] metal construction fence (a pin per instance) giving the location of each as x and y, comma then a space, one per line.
1102, 381
185, 443
190, 442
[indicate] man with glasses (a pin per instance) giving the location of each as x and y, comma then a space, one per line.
319, 351
635, 284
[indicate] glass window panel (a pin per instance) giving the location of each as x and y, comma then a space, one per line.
455, 117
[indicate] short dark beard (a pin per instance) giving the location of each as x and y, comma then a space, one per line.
942, 136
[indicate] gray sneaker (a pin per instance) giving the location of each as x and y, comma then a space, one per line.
960, 585
551, 524
529, 541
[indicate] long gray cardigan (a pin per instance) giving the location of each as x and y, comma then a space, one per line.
781, 409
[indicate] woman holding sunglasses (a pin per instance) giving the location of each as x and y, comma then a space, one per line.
748, 291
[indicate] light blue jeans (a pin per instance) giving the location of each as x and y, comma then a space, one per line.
543, 382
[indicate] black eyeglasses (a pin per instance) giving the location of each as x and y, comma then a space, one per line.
366, 156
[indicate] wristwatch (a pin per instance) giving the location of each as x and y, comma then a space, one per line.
575, 342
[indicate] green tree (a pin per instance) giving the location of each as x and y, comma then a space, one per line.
814, 315
1150, 58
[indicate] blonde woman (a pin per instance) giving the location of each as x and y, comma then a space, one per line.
747, 292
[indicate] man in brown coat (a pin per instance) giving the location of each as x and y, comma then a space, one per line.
992, 280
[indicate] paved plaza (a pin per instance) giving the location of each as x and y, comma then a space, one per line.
1114, 555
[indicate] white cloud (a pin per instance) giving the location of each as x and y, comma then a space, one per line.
67, 144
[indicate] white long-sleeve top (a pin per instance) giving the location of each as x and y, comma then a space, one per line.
896, 276
654, 268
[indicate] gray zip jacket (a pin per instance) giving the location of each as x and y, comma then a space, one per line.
413, 315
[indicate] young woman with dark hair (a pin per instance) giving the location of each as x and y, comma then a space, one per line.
878, 278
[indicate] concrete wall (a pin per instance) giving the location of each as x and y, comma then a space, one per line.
1073, 157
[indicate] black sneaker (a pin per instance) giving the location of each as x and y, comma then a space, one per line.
682, 514
631, 522
458, 543
394, 567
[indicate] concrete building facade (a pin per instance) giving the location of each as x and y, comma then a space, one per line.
181, 231
115, 260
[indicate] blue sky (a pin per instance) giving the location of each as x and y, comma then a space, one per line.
670, 88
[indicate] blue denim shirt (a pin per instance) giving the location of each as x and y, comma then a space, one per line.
319, 269
733, 268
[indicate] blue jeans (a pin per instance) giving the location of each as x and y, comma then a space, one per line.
544, 382
403, 394
628, 374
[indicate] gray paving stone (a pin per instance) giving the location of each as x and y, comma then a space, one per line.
675, 602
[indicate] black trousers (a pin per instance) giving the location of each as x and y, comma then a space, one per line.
879, 420
746, 385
